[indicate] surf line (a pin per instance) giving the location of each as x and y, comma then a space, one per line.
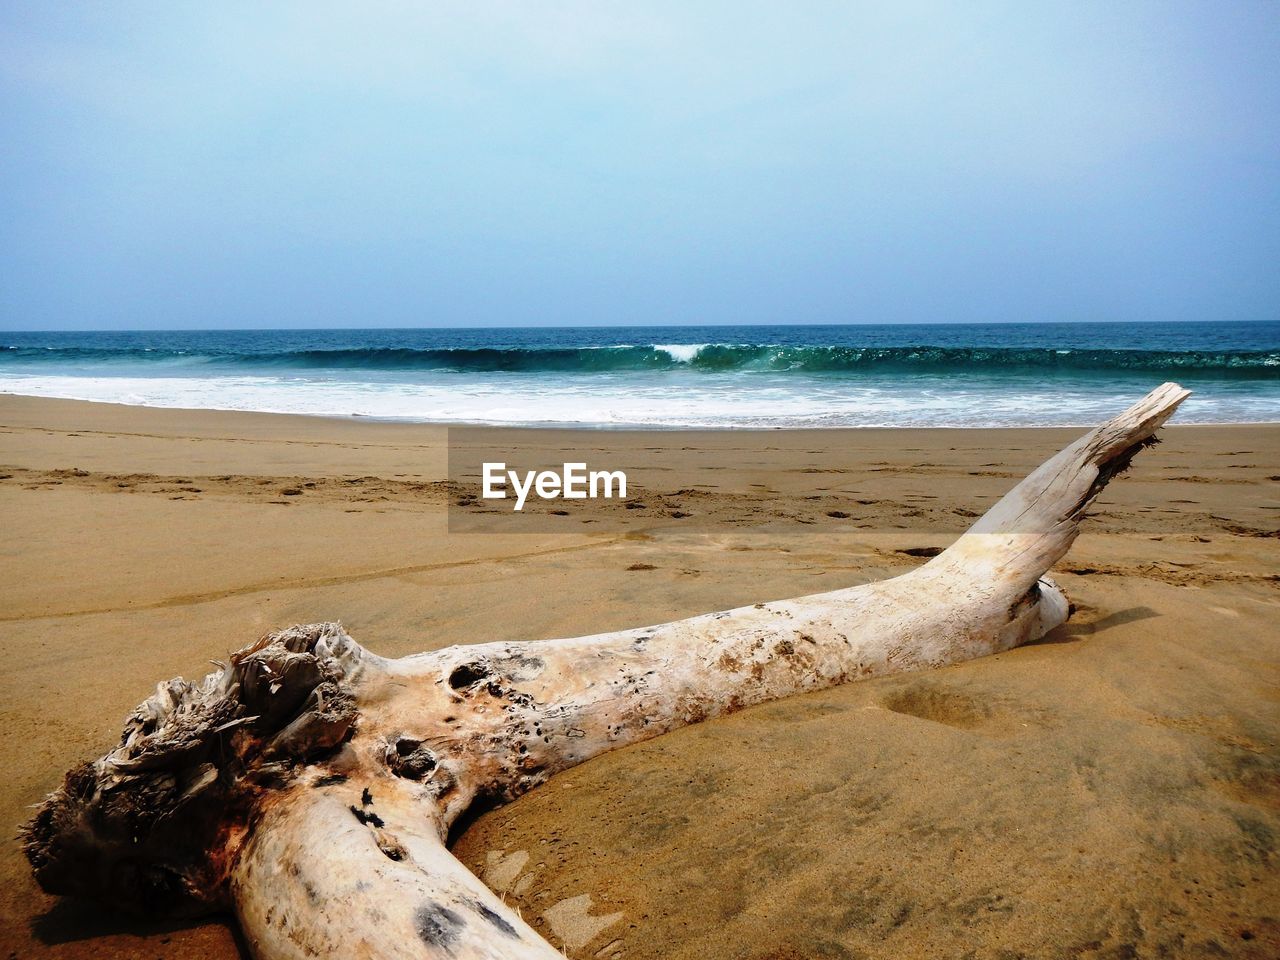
572, 482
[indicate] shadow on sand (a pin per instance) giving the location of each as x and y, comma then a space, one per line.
1072, 631
69, 920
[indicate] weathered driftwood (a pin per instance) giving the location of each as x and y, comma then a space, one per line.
309, 785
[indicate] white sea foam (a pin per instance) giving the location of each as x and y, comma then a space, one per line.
681, 352
664, 399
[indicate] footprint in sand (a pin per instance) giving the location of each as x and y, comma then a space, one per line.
501, 869
953, 708
574, 926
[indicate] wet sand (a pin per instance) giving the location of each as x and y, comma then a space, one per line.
1113, 791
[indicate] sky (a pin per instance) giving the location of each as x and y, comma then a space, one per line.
183, 165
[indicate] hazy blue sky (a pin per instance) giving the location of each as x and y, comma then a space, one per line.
402, 164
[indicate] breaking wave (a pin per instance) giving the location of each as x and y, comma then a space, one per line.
717, 357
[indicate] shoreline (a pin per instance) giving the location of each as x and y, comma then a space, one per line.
596, 426
1055, 796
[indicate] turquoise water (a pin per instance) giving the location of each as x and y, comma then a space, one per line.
890, 375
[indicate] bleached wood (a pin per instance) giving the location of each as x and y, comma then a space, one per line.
310, 785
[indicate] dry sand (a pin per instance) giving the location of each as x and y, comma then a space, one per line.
1113, 791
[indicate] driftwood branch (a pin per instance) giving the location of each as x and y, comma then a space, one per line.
309, 785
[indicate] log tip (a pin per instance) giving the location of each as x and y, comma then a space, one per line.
1128, 431
1111, 447
146, 826
1034, 524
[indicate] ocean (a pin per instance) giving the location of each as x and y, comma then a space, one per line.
960, 375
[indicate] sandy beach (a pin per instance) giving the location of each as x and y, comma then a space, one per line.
1110, 792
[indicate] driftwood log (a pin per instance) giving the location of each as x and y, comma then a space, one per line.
309, 785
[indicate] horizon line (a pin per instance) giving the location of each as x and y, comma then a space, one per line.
633, 326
